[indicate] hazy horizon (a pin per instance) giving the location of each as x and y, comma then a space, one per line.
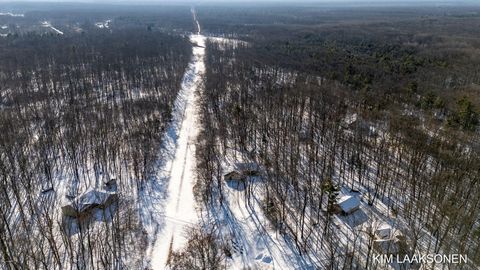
9, 5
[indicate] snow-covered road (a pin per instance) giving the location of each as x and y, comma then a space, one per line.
179, 167
180, 205
197, 24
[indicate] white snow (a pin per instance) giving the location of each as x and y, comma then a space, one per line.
167, 211
244, 228
349, 203
180, 207
49, 25
254, 244
104, 24
384, 230
11, 14
199, 29
235, 43
93, 196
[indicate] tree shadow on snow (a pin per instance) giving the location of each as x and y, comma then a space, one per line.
295, 257
260, 240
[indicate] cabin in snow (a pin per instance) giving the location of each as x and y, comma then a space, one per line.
348, 204
239, 171
89, 200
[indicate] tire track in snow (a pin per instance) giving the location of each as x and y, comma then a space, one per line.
181, 179
179, 208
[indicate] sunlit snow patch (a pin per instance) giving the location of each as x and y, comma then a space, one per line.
11, 14
49, 25
105, 24
235, 43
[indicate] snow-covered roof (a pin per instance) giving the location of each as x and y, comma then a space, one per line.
91, 197
384, 230
348, 204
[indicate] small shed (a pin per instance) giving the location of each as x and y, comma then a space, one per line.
349, 204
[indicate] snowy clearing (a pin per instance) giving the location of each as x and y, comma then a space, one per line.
49, 25
180, 205
168, 204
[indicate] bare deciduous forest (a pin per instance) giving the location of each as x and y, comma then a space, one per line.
386, 110
76, 110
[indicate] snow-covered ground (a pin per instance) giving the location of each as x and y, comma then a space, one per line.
168, 204
230, 41
11, 14
104, 24
245, 230
194, 14
49, 25
180, 205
